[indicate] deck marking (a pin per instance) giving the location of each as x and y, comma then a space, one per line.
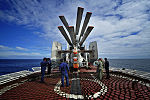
130, 79
73, 96
3, 90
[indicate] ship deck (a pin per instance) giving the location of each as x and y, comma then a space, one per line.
118, 86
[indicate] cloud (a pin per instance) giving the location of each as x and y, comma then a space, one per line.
12, 53
128, 37
19, 52
6, 48
2, 47
20, 48
121, 27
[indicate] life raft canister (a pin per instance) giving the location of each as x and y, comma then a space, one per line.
75, 59
76, 65
75, 52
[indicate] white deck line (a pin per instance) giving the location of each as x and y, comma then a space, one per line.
16, 75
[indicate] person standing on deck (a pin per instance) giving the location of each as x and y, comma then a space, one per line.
103, 64
44, 64
49, 66
100, 68
98, 64
64, 69
107, 68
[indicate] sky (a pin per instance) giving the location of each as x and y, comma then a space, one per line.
29, 27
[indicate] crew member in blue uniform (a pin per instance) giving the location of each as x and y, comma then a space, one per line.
44, 64
64, 69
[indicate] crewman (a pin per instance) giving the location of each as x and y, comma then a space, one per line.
98, 64
64, 69
44, 64
107, 68
49, 66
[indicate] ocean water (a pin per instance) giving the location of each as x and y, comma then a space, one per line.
137, 64
14, 65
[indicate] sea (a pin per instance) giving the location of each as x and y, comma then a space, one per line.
15, 65
136, 64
